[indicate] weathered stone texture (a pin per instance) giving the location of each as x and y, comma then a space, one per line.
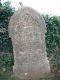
27, 30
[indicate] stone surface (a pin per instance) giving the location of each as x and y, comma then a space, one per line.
27, 30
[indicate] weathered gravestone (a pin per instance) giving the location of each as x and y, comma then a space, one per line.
27, 30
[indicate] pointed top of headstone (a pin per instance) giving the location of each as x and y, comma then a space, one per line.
21, 4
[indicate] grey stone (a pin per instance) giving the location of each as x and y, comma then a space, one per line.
27, 30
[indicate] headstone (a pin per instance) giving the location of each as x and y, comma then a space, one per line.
27, 30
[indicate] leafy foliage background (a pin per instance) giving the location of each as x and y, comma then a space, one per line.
52, 41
